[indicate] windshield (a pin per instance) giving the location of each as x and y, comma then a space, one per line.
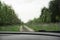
30, 15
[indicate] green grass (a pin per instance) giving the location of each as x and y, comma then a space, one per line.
10, 28
48, 27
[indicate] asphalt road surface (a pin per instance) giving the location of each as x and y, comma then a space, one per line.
25, 28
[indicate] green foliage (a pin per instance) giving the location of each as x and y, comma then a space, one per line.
7, 15
47, 27
10, 28
45, 16
55, 9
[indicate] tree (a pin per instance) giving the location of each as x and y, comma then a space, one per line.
55, 9
45, 16
7, 15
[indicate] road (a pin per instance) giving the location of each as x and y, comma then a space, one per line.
25, 28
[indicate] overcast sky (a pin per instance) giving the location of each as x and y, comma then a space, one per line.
27, 9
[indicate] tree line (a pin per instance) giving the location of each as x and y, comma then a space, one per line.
7, 15
48, 15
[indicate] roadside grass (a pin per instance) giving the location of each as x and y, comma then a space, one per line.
46, 27
10, 28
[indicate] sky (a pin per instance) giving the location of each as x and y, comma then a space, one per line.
27, 9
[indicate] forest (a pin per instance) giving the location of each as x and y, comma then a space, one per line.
8, 18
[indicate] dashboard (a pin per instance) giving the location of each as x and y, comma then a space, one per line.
28, 36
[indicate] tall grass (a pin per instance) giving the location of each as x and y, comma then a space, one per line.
10, 28
47, 27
